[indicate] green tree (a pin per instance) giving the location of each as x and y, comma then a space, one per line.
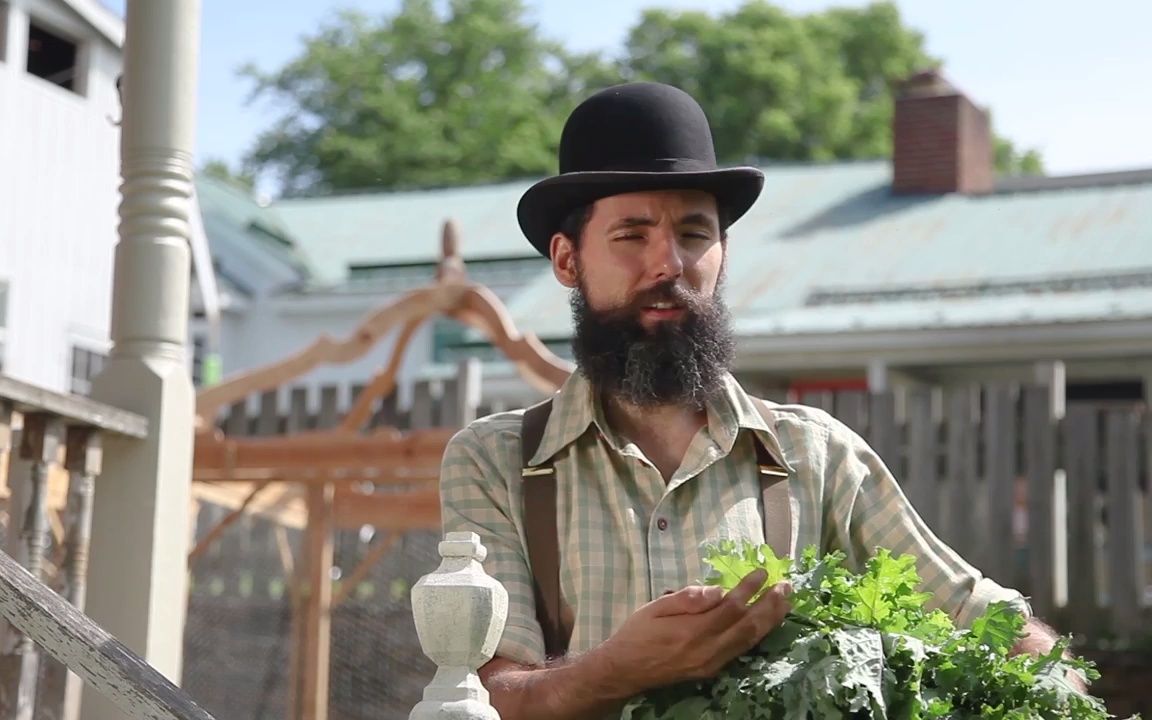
417, 98
475, 93
220, 170
1011, 161
791, 87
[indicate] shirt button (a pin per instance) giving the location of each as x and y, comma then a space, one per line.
662, 523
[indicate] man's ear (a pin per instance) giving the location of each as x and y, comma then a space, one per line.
564, 260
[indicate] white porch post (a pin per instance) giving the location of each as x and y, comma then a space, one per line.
878, 375
139, 548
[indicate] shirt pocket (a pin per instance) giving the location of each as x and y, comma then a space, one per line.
737, 520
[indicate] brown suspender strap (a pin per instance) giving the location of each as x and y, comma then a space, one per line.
539, 489
777, 506
777, 502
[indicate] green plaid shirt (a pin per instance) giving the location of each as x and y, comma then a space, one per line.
626, 536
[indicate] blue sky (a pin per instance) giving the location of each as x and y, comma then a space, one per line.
1073, 82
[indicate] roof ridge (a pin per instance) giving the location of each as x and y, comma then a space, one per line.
1067, 283
1034, 183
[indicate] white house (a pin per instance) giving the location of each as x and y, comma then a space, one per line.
924, 267
59, 187
928, 269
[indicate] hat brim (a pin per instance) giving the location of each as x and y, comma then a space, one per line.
545, 205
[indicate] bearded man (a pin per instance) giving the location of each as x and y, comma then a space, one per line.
595, 506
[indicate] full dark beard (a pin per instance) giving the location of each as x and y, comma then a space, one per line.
680, 362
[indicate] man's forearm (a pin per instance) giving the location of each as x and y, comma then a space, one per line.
574, 688
1039, 639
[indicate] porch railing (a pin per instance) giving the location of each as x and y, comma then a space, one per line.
50, 459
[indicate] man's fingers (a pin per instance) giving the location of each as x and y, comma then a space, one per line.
776, 602
763, 616
781, 589
734, 606
739, 596
690, 600
769, 610
750, 585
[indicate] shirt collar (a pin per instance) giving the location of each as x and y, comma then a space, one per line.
576, 409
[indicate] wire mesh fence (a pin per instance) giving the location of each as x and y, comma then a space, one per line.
239, 637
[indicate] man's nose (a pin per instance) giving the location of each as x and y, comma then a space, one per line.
665, 260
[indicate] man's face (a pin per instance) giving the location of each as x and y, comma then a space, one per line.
650, 325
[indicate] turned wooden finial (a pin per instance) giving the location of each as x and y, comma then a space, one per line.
451, 264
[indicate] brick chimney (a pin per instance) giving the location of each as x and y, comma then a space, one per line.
941, 141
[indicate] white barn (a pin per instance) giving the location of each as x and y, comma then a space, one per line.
59, 187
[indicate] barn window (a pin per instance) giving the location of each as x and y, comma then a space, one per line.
3, 32
52, 57
86, 364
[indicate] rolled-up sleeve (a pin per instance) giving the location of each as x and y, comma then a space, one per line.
873, 512
475, 497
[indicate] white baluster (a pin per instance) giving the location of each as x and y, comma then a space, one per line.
460, 613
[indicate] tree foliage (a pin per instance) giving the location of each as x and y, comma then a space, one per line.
417, 98
221, 170
475, 93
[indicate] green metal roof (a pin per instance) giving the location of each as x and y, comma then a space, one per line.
340, 231
828, 248
245, 236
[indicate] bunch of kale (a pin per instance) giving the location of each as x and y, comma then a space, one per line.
862, 646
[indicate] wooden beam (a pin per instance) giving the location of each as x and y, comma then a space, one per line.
293, 585
103, 662
416, 510
314, 657
316, 452
281, 503
427, 470
384, 383
226, 522
287, 562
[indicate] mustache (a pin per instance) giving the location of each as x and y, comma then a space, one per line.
667, 291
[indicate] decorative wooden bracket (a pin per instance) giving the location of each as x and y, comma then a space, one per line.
452, 295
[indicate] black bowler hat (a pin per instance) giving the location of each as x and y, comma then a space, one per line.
632, 138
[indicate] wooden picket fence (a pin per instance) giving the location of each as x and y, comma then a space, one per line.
1054, 504
434, 403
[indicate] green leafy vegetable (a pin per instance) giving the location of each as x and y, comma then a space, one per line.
863, 646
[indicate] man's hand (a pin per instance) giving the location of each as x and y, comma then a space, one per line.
691, 634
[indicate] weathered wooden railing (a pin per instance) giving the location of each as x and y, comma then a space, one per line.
47, 438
